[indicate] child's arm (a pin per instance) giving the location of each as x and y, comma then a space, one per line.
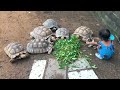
92, 43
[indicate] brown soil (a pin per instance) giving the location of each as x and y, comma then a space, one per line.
16, 26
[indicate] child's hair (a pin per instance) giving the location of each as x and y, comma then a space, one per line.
104, 34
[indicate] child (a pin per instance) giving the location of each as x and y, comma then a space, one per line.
105, 46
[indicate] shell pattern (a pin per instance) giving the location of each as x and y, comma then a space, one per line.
62, 32
50, 23
83, 31
38, 46
14, 49
40, 32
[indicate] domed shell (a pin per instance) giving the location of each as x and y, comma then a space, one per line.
40, 32
83, 31
13, 49
37, 46
50, 23
62, 32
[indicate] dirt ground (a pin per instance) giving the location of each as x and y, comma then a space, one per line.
16, 26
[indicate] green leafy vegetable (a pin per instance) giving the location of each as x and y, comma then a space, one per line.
67, 51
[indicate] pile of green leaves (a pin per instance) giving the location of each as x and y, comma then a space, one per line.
67, 51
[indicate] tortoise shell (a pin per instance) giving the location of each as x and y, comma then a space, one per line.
15, 51
40, 32
38, 46
62, 32
83, 31
50, 23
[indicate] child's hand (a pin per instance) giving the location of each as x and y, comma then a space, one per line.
87, 42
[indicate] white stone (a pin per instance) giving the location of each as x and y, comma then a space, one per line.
38, 69
84, 74
81, 63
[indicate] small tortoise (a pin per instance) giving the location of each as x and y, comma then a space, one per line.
62, 33
84, 32
51, 24
15, 51
39, 46
40, 32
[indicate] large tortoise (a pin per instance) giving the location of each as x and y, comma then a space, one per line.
84, 32
51, 24
15, 51
40, 32
62, 33
39, 46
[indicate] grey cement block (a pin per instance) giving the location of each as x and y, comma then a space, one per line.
53, 71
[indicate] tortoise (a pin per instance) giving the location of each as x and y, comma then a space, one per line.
15, 51
62, 33
40, 32
39, 46
51, 24
84, 32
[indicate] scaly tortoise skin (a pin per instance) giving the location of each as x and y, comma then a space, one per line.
40, 32
62, 33
15, 51
39, 46
51, 24
83, 32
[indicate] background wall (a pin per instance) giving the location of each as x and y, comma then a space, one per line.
111, 19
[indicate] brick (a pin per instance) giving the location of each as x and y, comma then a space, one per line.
53, 71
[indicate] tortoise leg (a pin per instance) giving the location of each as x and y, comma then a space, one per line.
32, 37
49, 51
50, 48
90, 45
51, 40
95, 47
12, 60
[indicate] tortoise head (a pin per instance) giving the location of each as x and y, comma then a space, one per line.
53, 29
23, 54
